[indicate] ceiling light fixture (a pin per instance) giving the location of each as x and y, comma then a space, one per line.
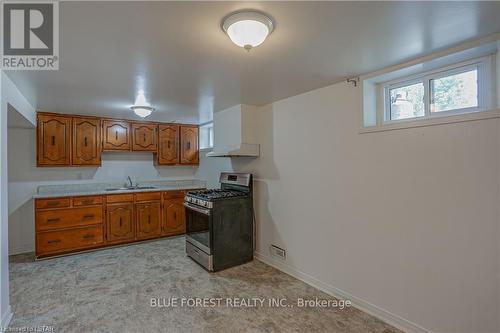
141, 107
247, 29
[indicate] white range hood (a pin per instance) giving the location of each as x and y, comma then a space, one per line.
235, 132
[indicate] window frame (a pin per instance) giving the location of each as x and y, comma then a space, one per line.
484, 86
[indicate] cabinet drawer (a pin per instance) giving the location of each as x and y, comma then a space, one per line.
64, 218
120, 198
65, 240
174, 194
52, 203
148, 196
87, 201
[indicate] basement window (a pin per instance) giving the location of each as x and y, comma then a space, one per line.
457, 89
207, 135
452, 87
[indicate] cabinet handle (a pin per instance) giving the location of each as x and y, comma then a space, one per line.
54, 220
55, 241
144, 137
175, 215
53, 140
52, 203
149, 219
189, 145
88, 217
120, 221
168, 144
116, 135
87, 236
85, 141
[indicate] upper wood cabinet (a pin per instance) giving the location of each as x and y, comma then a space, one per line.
189, 144
144, 137
53, 140
86, 141
168, 144
116, 135
65, 140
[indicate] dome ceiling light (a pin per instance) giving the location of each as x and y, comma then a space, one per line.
141, 107
247, 29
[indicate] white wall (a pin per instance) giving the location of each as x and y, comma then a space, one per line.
25, 177
406, 220
4, 254
11, 101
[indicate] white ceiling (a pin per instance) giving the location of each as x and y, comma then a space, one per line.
188, 67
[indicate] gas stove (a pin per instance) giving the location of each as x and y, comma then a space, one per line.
219, 223
205, 198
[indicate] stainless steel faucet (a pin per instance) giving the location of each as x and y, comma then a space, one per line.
130, 181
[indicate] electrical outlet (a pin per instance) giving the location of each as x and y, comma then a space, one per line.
278, 252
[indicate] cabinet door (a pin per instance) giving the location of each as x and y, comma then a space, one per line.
53, 140
168, 149
144, 137
174, 221
120, 222
86, 141
189, 145
116, 135
148, 219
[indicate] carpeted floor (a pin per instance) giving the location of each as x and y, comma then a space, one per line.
112, 290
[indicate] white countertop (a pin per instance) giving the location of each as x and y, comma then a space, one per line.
69, 190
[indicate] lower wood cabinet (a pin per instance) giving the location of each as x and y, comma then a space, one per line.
72, 224
148, 217
65, 225
120, 222
55, 242
174, 221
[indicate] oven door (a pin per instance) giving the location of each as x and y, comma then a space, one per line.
198, 225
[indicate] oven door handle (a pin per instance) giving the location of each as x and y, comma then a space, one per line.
197, 209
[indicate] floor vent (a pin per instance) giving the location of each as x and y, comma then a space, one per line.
278, 252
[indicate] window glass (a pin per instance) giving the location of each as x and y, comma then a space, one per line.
407, 101
207, 136
453, 92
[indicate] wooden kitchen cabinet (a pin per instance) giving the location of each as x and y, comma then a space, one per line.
120, 222
73, 224
168, 145
71, 140
144, 137
68, 218
62, 241
53, 140
174, 221
116, 135
86, 141
189, 144
68, 224
148, 217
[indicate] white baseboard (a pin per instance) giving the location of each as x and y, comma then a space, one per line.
384, 315
6, 317
27, 248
